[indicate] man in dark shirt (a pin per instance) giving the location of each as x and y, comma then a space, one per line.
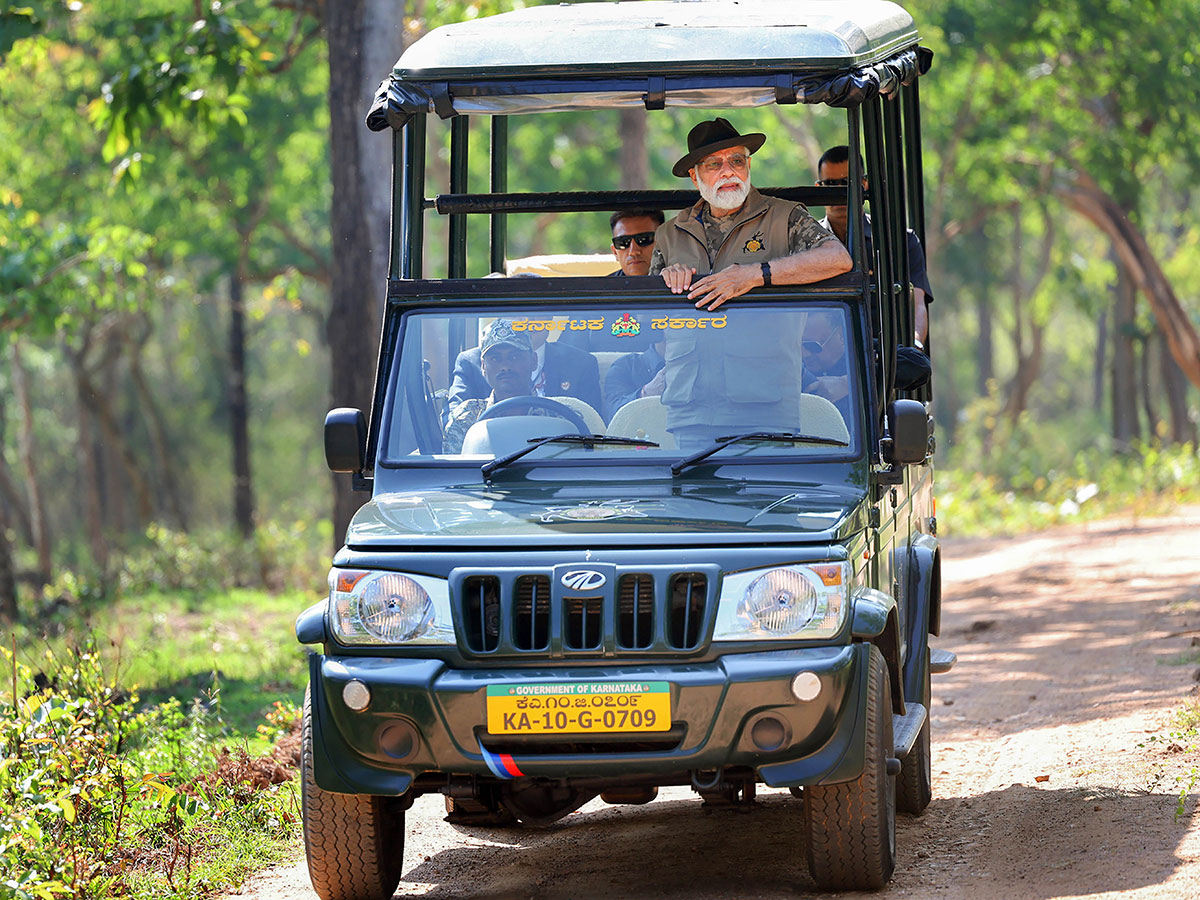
634, 375
833, 170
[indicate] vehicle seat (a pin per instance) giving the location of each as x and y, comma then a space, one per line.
646, 418
604, 359
820, 418
591, 418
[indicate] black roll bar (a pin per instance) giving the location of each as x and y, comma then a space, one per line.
607, 201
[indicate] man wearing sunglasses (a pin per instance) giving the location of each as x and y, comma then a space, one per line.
833, 170
734, 238
633, 239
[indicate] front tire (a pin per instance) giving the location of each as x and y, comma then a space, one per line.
851, 827
354, 842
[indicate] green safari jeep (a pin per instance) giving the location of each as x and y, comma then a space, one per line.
566, 594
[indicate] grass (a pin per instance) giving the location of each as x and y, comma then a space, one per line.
233, 647
136, 745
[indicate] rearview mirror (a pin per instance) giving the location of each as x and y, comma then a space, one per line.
345, 439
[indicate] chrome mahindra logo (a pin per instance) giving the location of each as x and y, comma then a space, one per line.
583, 580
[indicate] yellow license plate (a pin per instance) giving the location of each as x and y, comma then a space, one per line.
579, 707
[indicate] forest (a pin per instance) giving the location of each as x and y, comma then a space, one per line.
193, 258
192, 251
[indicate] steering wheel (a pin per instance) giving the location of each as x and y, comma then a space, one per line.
505, 407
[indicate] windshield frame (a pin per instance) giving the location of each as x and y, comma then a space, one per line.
488, 296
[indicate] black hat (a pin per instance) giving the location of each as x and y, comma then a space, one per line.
711, 136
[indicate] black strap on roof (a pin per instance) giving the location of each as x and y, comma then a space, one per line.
656, 92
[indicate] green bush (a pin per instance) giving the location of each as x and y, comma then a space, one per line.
1008, 477
275, 558
100, 798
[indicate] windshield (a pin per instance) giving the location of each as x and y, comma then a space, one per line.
661, 382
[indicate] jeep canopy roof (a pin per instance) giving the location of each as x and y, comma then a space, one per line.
711, 54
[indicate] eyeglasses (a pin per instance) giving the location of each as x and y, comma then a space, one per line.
813, 347
716, 164
643, 238
833, 182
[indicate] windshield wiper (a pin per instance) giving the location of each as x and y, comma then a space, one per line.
588, 440
778, 437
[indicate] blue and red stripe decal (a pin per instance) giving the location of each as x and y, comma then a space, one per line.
501, 764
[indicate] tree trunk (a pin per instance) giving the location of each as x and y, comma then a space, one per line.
357, 32
1124, 386
1146, 385
37, 508
1183, 429
8, 580
635, 166
88, 455
984, 342
1087, 198
243, 495
1101, 362
158, 439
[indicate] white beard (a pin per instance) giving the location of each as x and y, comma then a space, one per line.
727, 199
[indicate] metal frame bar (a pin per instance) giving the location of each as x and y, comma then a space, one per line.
412, 196
460, 134
902, 281
499, 185
498, 204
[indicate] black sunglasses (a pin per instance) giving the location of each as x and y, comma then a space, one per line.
643, 238
833, 182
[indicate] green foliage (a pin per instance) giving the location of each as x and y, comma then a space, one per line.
1006, 477
208, 561
101, 798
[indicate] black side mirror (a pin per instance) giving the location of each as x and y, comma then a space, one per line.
345, 439
908, 424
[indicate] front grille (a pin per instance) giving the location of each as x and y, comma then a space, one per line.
531, 613
553, 613
635, 612
687, 609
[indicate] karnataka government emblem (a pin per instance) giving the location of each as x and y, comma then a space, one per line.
593, 510
626, 326
755, 244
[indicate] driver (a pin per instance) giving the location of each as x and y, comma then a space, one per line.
507, 360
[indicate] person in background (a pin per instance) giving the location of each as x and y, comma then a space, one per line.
833, 170
634, 375
507, 366
633, 239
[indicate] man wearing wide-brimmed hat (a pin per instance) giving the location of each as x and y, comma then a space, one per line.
734, 237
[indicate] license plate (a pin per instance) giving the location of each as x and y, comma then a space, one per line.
592, 707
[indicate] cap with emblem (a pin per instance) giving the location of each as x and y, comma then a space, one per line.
501, 332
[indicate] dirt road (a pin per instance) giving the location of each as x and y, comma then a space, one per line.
1054, 772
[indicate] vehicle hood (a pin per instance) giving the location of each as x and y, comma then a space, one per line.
658, 512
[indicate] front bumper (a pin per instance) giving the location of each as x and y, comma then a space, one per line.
714, 707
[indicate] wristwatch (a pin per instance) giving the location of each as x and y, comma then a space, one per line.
766, 272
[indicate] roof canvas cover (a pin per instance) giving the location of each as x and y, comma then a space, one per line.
702, 53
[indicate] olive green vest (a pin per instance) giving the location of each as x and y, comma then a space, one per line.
745, 373
760, 235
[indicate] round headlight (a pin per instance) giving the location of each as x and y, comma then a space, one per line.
395, 608
781, 601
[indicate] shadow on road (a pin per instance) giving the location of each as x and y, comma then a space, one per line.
674, 849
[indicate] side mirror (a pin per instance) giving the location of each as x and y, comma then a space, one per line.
909, 426
345, 439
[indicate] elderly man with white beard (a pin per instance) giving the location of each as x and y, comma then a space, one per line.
734, 237
744, 375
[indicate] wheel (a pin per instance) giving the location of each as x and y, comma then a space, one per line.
914, 785
354, 842
851, 827
505, 407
